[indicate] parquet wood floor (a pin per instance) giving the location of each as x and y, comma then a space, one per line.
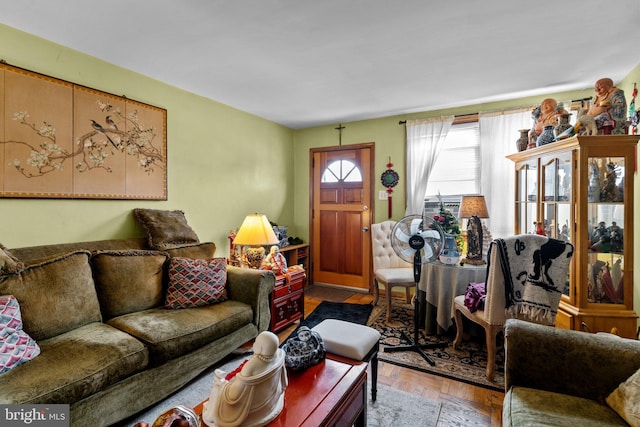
483, 406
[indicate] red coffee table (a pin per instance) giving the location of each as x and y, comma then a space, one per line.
331, 393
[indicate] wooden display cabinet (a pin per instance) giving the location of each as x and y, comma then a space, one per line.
581, 190
287, 299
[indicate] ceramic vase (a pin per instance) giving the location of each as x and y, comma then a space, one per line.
563, 125
523, 141
546, 136
450, 254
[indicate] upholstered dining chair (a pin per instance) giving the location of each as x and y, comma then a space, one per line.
494, 314
388, 268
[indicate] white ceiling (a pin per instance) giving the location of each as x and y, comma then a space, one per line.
304, 63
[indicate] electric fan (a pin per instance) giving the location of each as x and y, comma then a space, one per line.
418, 243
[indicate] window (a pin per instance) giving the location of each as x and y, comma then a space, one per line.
457, 169
342, 171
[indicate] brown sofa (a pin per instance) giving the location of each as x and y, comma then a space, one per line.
109, 347
559, 377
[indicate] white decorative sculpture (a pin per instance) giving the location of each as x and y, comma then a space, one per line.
255, 396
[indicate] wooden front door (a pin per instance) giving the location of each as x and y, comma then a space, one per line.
341, 215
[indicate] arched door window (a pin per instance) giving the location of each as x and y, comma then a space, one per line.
342, 171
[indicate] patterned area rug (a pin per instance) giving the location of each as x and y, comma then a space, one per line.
468, 364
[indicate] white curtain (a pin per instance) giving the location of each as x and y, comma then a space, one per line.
424, 138
498, 135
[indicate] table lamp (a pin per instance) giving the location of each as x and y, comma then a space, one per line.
474, 208
254, 234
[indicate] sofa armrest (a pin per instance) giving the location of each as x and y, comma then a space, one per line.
565, 361
252, 287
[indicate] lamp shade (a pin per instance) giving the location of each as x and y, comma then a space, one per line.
255, 231
473, 206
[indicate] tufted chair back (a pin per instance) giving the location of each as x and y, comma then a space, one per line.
383, 254
388, 268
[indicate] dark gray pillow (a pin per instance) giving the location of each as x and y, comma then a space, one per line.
165, 229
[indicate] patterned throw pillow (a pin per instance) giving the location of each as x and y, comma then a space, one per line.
16, 347
196, 282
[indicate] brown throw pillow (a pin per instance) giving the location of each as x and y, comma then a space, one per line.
9, 264
128, 281
56, 295
204, 250
165, 229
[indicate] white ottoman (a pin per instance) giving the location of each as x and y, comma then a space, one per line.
353, 341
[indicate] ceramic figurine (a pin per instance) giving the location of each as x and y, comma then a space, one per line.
609, 108
275, 261
254, 396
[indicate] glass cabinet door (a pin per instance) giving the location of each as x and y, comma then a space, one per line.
607, 238
526, 197
557, 203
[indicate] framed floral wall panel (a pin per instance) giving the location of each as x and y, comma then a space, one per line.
62, 140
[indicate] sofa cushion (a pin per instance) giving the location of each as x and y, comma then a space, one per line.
128, 281
9, 264
537, 408
165, 229
16, 346
625, 399
56, 295
196, 282
204, 250
74, 365
172, 333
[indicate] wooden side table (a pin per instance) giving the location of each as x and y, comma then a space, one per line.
287, 299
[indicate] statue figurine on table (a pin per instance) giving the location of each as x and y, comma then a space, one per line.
276, 261
253, 397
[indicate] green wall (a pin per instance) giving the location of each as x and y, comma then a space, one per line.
223, 163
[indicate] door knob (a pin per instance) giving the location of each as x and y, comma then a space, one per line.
365, 229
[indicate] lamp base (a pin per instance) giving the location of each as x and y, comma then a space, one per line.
252, 257
473, 261
474, 242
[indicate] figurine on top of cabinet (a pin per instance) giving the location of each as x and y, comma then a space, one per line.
546, 114
609, 108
